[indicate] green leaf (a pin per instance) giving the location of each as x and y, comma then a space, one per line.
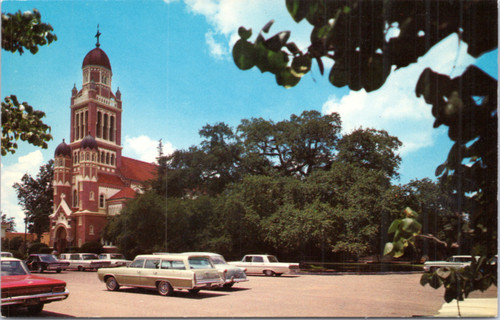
268, 25
394, 226
286, 78
298, 9
301, 65
277, 42
440, 169
244, 34
388, 248
435, 282
244, 54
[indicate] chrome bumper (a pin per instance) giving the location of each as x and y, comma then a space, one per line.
36, 298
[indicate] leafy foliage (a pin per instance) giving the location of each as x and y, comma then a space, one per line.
92, 247
136, 232
10, 222
25, 31
36, 197
21, 121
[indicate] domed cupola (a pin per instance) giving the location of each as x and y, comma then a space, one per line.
96, 57
63, 150
89, 142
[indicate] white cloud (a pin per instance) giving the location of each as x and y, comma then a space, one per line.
395, 107
11, 174
226, 16
216, 49
144, 148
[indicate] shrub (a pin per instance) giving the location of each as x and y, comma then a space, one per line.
92, 247
36, 247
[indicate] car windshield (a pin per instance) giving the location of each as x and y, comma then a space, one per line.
200, 263
48, 258
272, 259
89, 256
14, 268
218, 260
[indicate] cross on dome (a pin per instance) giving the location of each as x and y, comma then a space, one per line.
97, 35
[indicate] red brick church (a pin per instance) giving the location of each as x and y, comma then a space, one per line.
92, 180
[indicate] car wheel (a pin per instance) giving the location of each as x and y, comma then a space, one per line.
111, 284
194, 291
80, 268
36, 309
164, 288
39, 268
58, 270
278, 274
268, 273
228, 285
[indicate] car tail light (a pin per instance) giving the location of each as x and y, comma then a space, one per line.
245, 269
58, 289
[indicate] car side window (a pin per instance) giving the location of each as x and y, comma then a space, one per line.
74, 257
258, 259
173, 264
248, 258
152, 264
137, 263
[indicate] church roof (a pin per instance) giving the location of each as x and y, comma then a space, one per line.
126, 192
89, 142
96, 57
137, 170
110, 179
63, 149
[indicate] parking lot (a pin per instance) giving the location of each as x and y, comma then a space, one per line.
393, 295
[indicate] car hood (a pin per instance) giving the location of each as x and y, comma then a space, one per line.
28, 281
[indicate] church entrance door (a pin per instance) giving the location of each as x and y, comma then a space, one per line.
60, 242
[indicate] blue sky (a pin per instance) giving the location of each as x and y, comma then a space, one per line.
172, 62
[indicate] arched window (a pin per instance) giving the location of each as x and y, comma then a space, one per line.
98, 124
85, 121
105, 127
111, 128
102, 157
107, 158
112, 159
77, 126
75, 198
88, 156
101, 201
91, 230
82, 133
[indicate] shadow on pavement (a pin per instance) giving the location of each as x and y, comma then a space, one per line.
177, 294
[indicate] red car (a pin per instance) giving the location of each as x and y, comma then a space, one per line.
22, 289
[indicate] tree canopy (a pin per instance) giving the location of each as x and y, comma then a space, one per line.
366, 40
36, 196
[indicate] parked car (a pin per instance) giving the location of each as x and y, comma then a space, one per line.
40, 262
116, 259
7, 254
230, 274
265, 264
22, 289
165, 273
453, 262
84, 261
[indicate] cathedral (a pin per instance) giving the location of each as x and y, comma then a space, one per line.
92, 180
